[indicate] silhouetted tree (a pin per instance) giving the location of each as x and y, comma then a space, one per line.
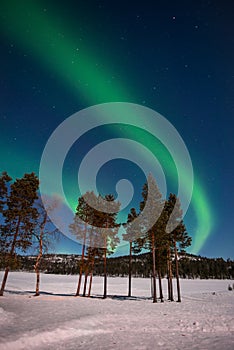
5, 179
177, 235
20, 217
79, 228
109, 233
132, 233
152, 205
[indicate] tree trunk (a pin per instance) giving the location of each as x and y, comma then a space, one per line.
105, 275
79, 281
4, 280
91, 275
36, 266
81, 265
90, 283
170, 271
130, 271
85, 282
154, 271
177, 272
10, 257
160, 285
160, 278
89, 258
170, 285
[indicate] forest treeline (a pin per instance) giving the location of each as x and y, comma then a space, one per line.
155, 226
190, 266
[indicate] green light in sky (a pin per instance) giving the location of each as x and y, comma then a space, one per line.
59, 50
199, 199
204, 219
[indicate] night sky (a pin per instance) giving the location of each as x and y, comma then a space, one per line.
173, 57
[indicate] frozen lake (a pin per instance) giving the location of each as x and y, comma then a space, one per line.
58, 320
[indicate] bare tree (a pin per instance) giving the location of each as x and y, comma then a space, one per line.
44, 234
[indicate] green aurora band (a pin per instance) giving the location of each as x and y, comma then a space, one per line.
57, 48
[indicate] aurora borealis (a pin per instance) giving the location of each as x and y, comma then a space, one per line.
59, 59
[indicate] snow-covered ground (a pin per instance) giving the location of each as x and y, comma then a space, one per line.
57, 320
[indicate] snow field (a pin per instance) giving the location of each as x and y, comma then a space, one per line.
58, 320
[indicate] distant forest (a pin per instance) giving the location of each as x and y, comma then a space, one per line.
190, 266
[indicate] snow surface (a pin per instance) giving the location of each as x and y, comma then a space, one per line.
57, 320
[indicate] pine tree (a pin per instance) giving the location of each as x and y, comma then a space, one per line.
168, 247
20, 217
79, 228
90, 259
131, 235
152, 203
94, 239
177, 235
98, 230
161, 245
109, 233
5, 179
